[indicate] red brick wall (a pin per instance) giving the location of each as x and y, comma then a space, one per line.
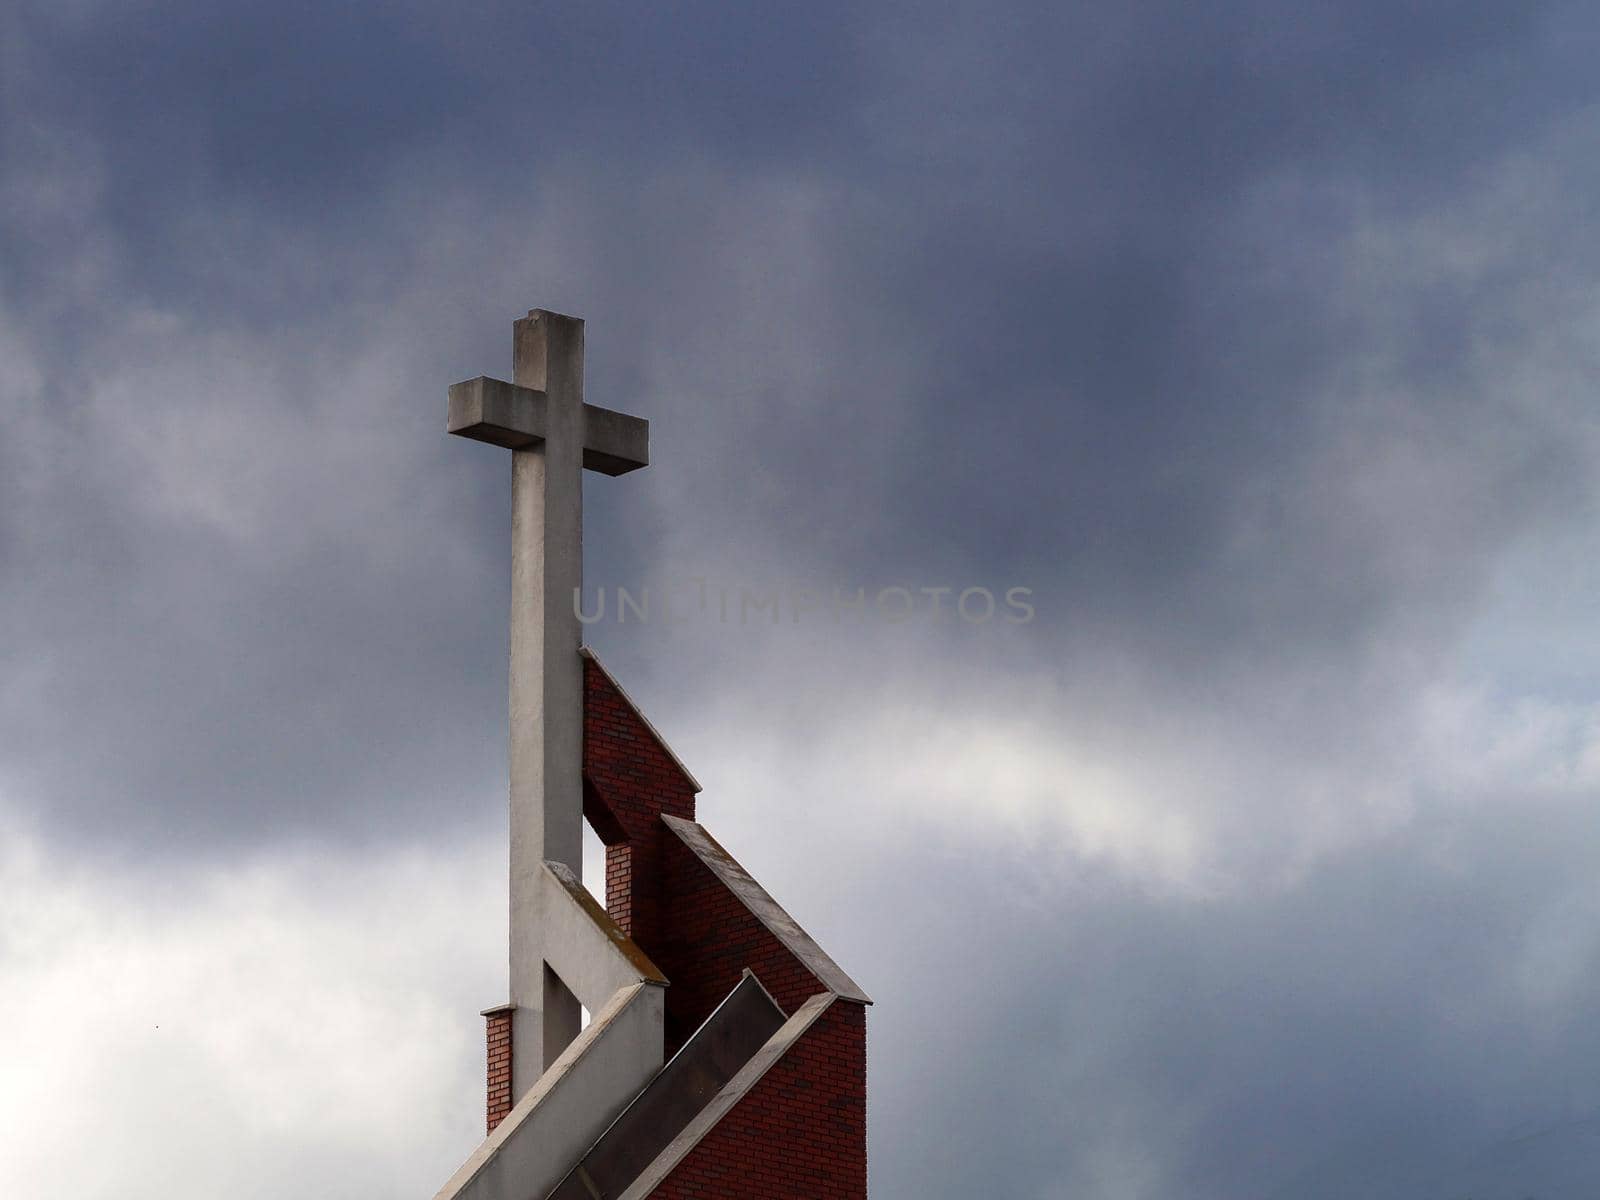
800, 1134
630, 781
498, 1035
709, 939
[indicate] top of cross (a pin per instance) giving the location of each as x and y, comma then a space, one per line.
517, 415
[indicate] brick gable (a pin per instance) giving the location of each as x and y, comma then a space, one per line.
800, 1132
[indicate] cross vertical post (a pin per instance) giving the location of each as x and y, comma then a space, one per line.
546, 709
553, 436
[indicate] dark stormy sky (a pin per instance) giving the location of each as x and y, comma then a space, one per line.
1259, 342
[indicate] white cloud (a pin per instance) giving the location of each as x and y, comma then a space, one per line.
237, 1031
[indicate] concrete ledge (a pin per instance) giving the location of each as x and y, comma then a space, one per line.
584, 946
766, 910
571, 1105
735, 1090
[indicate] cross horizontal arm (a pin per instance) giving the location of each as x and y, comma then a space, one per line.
503, 414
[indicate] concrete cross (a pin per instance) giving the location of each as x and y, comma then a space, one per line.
553, 436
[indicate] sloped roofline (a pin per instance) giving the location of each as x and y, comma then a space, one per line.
766, 910
734, 1091
588, 652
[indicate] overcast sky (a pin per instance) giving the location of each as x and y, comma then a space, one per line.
1259, 342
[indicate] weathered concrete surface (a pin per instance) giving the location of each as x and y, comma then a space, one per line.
546, 726
570, 1106
503, 414
584, 946
553, 436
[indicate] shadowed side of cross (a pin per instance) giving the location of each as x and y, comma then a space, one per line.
554, 436
503, 414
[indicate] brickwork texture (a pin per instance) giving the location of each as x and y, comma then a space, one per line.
800, 1133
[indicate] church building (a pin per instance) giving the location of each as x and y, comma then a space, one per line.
725, 1051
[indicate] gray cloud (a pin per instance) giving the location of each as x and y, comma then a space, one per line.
1257, 343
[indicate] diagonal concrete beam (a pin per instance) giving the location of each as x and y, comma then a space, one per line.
571, 1105
584, 946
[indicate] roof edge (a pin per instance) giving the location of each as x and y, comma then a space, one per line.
766, 910
588, 652
735, 1090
